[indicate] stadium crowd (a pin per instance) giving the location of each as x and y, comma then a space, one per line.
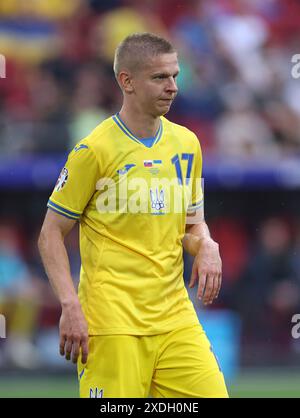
236, 93
235, 71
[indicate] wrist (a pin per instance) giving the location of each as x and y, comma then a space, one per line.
70, 303
205, 241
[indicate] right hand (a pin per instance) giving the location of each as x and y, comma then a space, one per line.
73, 332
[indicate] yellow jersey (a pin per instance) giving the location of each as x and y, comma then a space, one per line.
131, 198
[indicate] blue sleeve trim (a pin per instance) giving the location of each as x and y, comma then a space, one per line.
62, 210
62, 214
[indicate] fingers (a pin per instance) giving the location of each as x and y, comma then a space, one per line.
84, 351
201, 286
219, 285
209, 287
62, 345
194, 275
73, 331
70, 348
75, 350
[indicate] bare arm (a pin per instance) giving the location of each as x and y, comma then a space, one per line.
207, 266
193, 236
73, 326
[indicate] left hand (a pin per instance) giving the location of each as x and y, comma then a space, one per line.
207, 269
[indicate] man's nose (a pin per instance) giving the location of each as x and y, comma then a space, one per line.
172, 86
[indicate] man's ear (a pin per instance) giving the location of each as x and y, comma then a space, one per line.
125, 82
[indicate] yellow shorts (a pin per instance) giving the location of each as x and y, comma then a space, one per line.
179, 364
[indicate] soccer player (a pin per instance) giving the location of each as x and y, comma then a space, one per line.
134, 187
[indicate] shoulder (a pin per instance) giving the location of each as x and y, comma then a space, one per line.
182, 132
97, 138
102, 131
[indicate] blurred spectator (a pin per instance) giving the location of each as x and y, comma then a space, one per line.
89, 102
19, 302
285, 127
235, 71
113, 26
242, 34
241, 132
233, 240
268, 293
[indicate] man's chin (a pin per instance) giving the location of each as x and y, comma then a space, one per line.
163, 110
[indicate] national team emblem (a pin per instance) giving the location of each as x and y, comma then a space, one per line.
96, 393
62, 179
157, 199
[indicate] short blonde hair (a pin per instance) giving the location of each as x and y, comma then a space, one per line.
135, 49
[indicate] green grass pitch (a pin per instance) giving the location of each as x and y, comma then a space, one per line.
248, 384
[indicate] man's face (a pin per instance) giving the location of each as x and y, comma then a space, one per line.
154, 84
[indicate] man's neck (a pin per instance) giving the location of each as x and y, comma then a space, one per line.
140, 124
